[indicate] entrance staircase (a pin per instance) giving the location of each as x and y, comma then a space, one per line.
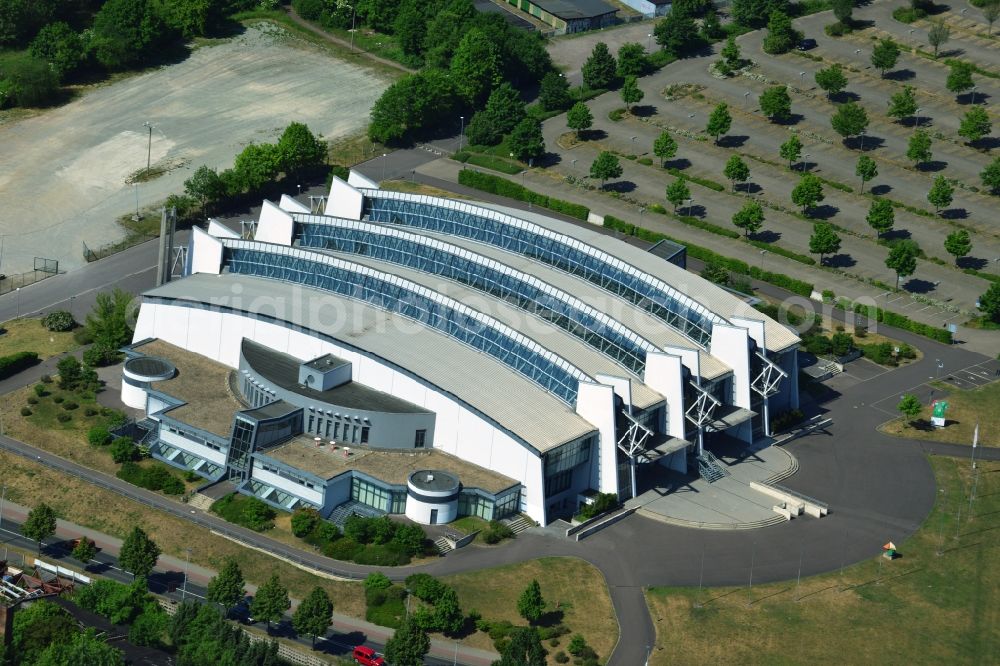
199, 501
709, 467
518, 523
443, 545
340, 515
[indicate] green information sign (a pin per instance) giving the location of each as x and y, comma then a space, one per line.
939, 408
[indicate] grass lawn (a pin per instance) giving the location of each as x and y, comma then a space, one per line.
965, 409
919, 609
29, 483
469, 524
29, 335
572, 584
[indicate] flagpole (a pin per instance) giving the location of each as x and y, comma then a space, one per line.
975, 441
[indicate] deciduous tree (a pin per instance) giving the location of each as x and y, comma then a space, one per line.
227, 588
553, 94
408, 645
531, 605
902, 259
676, 32
736, 170
579, 118
719, 121
881, 216
903, 104
665, 147
749, 218
918, 149
631, 93
84, 550
138, 553
300, 149
831, 79
884, 55
866, 170
808, 192
850, 119
476, 67
909, 406
600, 68
975, 124
605, 166
791, 150
270, 602
731, 53
631, 60
824, 240
776, 104
781, 36
938, 35
989, 303
991, 176
677, 192
991, 12
526, 140
960, 77
958, 244
40, 524
940, 194
313, 616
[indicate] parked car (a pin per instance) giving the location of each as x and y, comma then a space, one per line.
807, 44
364, 655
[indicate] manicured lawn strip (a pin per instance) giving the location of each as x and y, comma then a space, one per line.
965, 409
921, 608
575, 584
29, 335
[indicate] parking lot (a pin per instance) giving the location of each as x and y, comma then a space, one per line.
63, 172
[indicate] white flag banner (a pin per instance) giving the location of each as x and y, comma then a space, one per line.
975, 436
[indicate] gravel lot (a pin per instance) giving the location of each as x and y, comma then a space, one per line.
63, 172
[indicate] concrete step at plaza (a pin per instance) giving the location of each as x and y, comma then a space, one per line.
709, 467
199, 501
443, 545
518, 523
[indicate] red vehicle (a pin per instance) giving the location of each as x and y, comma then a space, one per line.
366, 656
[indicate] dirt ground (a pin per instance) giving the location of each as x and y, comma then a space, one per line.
63, 172
569, 52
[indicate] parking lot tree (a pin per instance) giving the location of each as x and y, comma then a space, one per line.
960, 77
958, 244
408, 645
941, 193
526, 140
807, 192
831, 79
270, 602
630, 92
632, 60
776, 104
909, 406
676, 32
719, 121
736, 170
989, 303
227, 588
791, 150
605, 167
881, 216
256, 165
749, 218
918, 149
885, 54
902, 259
824, 240
313, 616
665, 147
731, 53
600, 68
138, 553
844, 11
579, 118
903, 104
40, 524
84, 550
849, 120
866, 170
553, 93
991, 176
975, 124
677, 192
781, 36
937, 36
991, 12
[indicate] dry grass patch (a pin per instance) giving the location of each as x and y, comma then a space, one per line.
77, 501
29, 335
919, 609
965, 410
571, 584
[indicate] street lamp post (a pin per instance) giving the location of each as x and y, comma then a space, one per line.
461, 132
3, 497
383, 166
574, 163
649, 41
974, 94
762, 253
746, 99
919, 118
354, 16
71, 299
187, 563
805, 158
149, 143
862, 135
690, 202
18, 292
801, 77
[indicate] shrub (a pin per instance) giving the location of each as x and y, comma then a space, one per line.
787, 419
58, 321
249, 512
69, 405
25, 411
58, 399
83, 336
15, 363
425, 587
342, 549
377, 581
90, 411
603, 503
32, 400
841, 344
40, 390
63, 417
561, 657
304, 521
45, 379
99, 355
123, 450
577, 644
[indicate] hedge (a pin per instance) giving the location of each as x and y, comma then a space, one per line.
704, 182
794, 256
506, 188
708, 256
15, 363
901, 321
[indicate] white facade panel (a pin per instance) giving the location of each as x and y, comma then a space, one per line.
179, 441
476, 439
207, 328
133, 396
219, 230
206, 252
232, 330
274, 225
292, 205
360, 180
730, 344
287, 485
376, 375
344, 200
664, 375
172, 325
596, 404
271, 335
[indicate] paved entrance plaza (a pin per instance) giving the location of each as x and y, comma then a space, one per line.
728, 503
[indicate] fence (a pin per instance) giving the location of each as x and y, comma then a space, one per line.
44, 268
93, 254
